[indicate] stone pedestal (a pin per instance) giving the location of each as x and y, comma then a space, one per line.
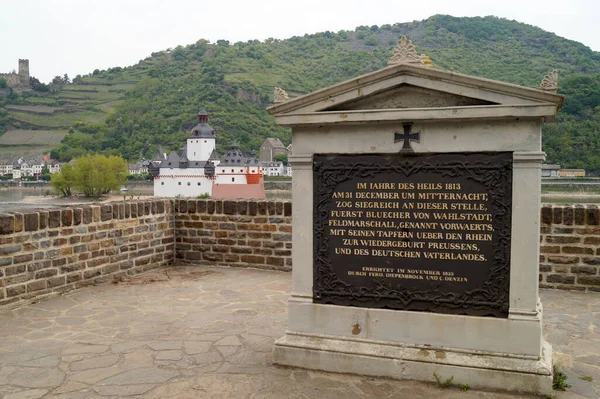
361, 117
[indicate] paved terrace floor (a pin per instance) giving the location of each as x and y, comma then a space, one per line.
197, 332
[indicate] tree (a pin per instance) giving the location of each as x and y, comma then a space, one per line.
66, 79
36, 85
57, 84
283, 158
3, 83
45, 175
95, 175
63, 181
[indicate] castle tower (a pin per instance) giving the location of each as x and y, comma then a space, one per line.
24, 72
201, 141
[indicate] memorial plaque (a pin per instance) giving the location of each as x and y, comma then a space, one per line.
419, 232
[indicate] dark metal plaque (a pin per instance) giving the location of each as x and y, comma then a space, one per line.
423, 232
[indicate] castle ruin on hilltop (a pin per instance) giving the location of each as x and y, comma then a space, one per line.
19, 82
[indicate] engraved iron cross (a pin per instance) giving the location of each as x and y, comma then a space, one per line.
407, 137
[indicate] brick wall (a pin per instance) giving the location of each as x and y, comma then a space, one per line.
48, 252
234, 233
570, 247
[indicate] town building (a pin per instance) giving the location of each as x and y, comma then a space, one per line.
571, 173
550, 170
270, 148
274, 168
21, 167
196, 170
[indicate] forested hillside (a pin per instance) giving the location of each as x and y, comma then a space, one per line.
234, 83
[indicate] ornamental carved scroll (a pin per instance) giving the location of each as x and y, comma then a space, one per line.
405, 53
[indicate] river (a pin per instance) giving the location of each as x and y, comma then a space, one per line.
13, 198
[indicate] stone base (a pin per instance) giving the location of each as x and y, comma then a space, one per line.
479, 370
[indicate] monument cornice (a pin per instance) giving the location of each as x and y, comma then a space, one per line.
401, 73
453, 114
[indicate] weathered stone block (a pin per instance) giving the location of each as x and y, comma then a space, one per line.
7, 224
274, 261
557, 215
560, 278
563, 259
77, 216
272, 244
579, 214
593, 215
568, 215
45, 273
91, 274
227, 226
192, 255
232, 258
563, 230
578, 250
105, 212
229, 207
211, 256
562, 239
261, 208
22, 258
254, 259
589, 280
67, 217
32, 221
288, 237
592, 240
18, 222
10, 249
15, 290
241, 250
36, 285
591, 261
584, 270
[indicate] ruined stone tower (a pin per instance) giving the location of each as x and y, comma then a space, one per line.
24, 72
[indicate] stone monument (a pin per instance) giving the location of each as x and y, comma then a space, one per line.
416, 197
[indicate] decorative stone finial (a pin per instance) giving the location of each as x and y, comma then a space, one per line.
280, 95
426, 61
550, 82
405, 53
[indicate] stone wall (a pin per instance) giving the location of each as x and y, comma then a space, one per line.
48, 252
234, 233
13, 80
570, 247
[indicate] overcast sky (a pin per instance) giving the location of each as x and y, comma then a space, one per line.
78, 36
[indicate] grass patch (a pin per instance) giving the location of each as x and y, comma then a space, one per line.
443, 383
571, 189
32, 137
62, 119
260, 79
40, 100
10, 153
41, 109
586, 378
109, 106
559, 380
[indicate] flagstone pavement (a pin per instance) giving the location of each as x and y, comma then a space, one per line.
205, 332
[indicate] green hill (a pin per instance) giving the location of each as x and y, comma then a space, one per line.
155, 101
